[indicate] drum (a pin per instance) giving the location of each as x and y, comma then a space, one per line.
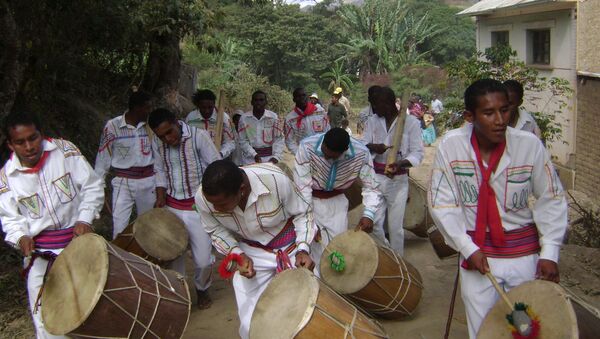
285, 169
439, 244
374, 277
158, 236
552, 304
416, 215
296, 304
95, 289
354, 194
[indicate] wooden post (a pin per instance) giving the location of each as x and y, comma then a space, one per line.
220, 118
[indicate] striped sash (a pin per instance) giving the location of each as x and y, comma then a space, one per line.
283, 244
134, 172
264, 151
53, 239
182, 205
326, 194
518, 243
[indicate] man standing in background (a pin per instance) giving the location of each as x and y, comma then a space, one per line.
304, 120
336, 112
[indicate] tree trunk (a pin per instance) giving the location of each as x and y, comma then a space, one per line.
11, 60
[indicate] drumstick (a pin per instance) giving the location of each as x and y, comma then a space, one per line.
393, 152
220, 119
500, 291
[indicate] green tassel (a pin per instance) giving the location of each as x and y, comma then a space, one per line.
337, 261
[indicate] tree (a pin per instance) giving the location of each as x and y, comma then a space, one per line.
338, 77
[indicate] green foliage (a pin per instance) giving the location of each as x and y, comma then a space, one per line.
338, 77
548, 96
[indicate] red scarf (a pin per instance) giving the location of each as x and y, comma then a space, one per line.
487, 209
39, 164
310, 109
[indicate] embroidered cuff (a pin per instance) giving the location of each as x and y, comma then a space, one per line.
550, 252
303, 246
467, 247
236, 250
367, 213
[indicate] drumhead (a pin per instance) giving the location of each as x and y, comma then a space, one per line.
416, 206
161, 234
285, 306
361, 257
548, 301
75, 284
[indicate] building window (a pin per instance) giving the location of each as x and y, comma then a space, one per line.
499, 38
538, 41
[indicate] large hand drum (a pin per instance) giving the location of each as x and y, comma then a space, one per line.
95, 289
548, 301
296, 304
416, 214
374, 276
157, 235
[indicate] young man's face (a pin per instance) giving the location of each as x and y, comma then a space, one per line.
491, 117
206, 108
26, 142
169, 132
514, 102
259, 102
300, 98
224, 203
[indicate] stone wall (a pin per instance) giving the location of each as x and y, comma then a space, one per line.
587, 179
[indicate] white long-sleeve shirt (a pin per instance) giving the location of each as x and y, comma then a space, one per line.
272, 201
179, 169
313, 172
261, 133
525, 168
411, 146
310, 125
64, 191
195, 119
527, 123
123, 146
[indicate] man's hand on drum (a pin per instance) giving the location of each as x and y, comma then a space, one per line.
378, 148
257, 159
161, 197
26, 244
547, 270
478, 261
365, 224
247, 269
303, 260
82, 228
273, 160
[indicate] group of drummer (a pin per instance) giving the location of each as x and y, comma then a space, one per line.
481, 181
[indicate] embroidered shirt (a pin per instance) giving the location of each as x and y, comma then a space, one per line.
261, 133
310, 125
64, 191
525, 168
313, 172
179, 169
527, 123
123, 146
411, 145
273, 200
196, 119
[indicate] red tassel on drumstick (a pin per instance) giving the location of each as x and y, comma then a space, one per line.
231, 263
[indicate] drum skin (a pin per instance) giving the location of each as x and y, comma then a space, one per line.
158, 236
95, 289
375, 277
416, 215
296, 304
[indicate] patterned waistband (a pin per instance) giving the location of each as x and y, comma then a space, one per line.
264, 151
53, 239
326, 194
183, 205
286, 237
134, 172
380, 169
518, 243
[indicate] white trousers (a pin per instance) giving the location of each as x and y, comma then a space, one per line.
478, 293
126, 193
35, 279
201, 246
248, 291
331, 215
395, 194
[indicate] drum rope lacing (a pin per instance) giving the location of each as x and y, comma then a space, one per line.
349, 328
159, 298
390, 307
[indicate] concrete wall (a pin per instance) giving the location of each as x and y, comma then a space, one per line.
587, 178
588, 37
562, 63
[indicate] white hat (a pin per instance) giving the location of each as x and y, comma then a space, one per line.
314, 95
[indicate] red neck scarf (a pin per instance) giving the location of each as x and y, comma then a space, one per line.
310, 109
39, 164
487, 209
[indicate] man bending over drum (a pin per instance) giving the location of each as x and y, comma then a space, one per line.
182, 153
48, 194
326, 165
480, 185
260, 206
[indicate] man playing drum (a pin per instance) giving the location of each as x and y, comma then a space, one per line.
378, 136
481, 180
326, 165
182, 153
304, 120
261, 133
205, 117
126, 150
48, 194
260, 206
